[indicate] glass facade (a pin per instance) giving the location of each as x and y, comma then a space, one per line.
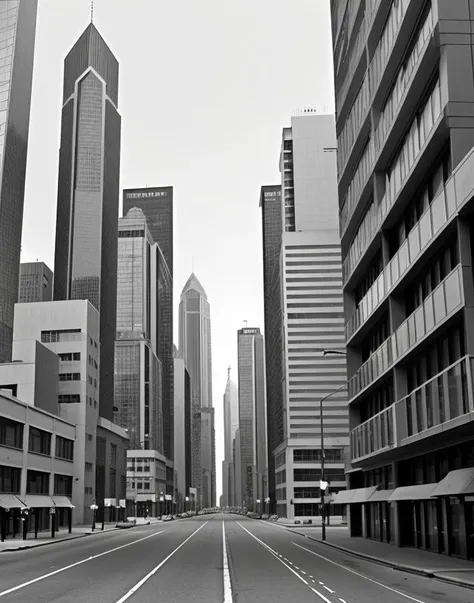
17, 40
88, 192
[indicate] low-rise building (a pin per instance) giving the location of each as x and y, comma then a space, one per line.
146, 482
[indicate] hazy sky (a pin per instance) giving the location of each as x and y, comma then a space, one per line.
205, 88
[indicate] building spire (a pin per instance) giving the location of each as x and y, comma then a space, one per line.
228, 372
92, 11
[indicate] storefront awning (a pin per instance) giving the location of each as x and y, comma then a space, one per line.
380, 496
10, 501
354, 496
458, 482
63, 501
38, 501
420, 492
145, 498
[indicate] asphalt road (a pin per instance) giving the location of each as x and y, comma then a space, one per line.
185, 561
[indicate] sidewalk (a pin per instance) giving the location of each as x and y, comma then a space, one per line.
407, 559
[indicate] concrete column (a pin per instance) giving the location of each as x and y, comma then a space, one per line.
465, 258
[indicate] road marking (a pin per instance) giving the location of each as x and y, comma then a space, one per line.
227, 583
342, 600
63, 569
398, 592
271, 551
327, 588
139, 584
303, 572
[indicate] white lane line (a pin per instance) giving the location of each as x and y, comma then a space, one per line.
342, 600
227, 583
139, 584
327, 588
63, 569
303, 572
398, 592
271, 551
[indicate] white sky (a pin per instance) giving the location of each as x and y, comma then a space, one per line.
205, 88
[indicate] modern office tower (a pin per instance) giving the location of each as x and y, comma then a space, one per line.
231, 424
272, 229
239, 500
85, 265
157, 205
182, 427
312, 309
70, 330
138, 371
36, 283
252, 417
195, 347
405, 110
17, 42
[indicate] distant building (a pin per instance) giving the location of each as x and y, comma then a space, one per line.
182, 428
36, 283
17, 43
195, 347
85, 265
252, 417
231, 424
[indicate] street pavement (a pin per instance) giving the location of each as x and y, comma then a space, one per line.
185, 560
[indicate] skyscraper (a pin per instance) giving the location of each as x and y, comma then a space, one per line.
403, 70
36, 283
231, 424
272, 229
138, 371
252, 417
195, 346
157, 205
17, 42
310, 275
85, 264
182, 427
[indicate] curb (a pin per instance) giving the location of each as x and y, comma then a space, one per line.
75, 537
397, 566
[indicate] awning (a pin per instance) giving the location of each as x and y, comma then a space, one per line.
145, 498
420, 492
460, 481
380, 496
38, 501
10, 501
63, 501
356, 495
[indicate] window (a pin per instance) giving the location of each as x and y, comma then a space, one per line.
90, 437
63, 485
113, 454
70, 357
314, 455
87, 490
55, 336
37, 482
10, 479
69, 398
64, 448
311, 492
88, 466
11, 433
314, 475
139, 485
70, 377
40, 441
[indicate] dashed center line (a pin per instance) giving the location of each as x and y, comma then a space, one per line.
327, 588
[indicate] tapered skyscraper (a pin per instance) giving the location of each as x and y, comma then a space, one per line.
231, 424
195, 346
17, 42
88, 192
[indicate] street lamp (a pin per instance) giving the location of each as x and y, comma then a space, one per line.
258, 505
322, 483
93, 508
186, 500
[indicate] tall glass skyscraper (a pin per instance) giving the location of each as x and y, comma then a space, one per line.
231, 425
17, 42
88, 192
195, 347
252, 417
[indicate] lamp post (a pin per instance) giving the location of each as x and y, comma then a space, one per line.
93, 508
186, 500
322, 483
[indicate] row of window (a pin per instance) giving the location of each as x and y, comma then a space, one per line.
314, 455
70, 356
55, 336
11, 435
314, 474
70, 377
37, 482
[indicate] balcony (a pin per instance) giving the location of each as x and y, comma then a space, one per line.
352, 67
442, 403
419, 136
440, 305
436, 217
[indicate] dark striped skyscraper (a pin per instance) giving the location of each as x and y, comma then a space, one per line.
17, 42
88, 192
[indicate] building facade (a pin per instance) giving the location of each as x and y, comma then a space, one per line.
17, 42
405, 112
252, 417
231, 424
312, 310
85, 265
195, 347
272, 229
146, 482
37, 468
182, 426
36, 283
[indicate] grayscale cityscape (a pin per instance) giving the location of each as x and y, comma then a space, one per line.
237, 301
